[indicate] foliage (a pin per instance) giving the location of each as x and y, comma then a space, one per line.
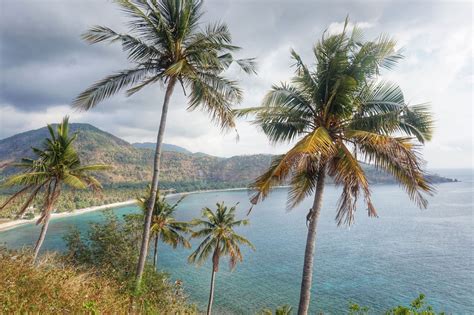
166, 44
220, 238
111, 249
417, 307
56, 164
280, 310
339, 113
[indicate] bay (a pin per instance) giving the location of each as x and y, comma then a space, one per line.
379, 262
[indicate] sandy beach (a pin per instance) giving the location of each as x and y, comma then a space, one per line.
15, 223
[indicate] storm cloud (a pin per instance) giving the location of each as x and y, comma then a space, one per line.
44, 64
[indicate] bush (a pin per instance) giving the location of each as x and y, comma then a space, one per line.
111, 250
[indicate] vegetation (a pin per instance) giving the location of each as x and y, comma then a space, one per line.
281, 310
164, 226
132, 167
220, 240
54, 287
167, 45
340, 112
57, 164
111, 250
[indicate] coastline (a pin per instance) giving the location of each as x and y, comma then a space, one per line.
15, 223
19, 222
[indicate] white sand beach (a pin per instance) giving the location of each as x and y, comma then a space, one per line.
15, 223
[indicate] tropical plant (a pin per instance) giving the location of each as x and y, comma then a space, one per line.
417, 307
163, 224
341, 113
167, 45
220, 239
57, 164
280, 310
110, 249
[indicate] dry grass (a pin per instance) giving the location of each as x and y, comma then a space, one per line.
53, 287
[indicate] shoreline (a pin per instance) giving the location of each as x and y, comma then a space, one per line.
9, 225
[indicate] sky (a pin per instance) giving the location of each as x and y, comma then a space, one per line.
44, 65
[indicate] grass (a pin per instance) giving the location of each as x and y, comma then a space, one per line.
54, 287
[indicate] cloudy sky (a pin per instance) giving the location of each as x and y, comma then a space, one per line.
44, 65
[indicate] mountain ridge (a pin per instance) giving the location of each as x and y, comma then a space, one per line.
134, 165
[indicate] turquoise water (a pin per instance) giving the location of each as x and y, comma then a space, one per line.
377, 262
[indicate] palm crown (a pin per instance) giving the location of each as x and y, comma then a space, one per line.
220, 238
164, 225
341, 113
55, 164
167, 44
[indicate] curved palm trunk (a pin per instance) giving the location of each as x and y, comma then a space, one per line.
154, 183
305, 293
155, 254
51, 201
40, 240
211, 293
215, 268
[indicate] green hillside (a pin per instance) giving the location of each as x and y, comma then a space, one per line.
132, 165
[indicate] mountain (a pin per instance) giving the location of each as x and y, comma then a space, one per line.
166, 147
132, 165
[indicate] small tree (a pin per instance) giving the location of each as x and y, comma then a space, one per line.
163, 224
220, 240
55, 165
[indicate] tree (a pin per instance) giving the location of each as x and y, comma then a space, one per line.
166, 45
220, 239
55, 165
341, 113
163, 224
280, 310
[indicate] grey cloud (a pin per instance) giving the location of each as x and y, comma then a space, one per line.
44, 64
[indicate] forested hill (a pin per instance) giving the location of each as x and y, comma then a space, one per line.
132, 165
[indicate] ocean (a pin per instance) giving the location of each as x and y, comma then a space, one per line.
378, 262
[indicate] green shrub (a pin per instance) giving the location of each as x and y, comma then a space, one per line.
111, 249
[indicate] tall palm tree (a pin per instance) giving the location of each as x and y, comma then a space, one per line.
163, 224
167, 45
341, 113
220, 240
56, 165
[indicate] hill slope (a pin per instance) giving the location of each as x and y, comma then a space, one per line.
166, 147
133, 165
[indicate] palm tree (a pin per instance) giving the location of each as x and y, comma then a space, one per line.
56, 165
167, 45
340, 113
220, 239
280, 310
163, 224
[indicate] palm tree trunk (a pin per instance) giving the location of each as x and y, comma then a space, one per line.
215, 269
155, 254
51, 201
40, 240
211, 291
313, 217
154, 183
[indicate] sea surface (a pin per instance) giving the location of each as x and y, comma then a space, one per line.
379, 263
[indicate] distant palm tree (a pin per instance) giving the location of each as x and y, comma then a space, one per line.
163, 224
220, 239
167, 45
340, 113
55, 165
280, 310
